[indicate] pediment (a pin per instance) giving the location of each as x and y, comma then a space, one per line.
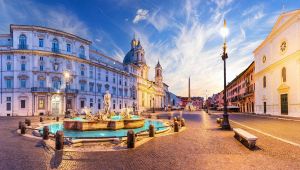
282, 19
283, 88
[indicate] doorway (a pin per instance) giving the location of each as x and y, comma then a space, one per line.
284, 104
56, 105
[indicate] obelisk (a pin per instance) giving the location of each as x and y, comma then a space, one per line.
189, 99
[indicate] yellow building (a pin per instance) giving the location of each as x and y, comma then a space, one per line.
150, 94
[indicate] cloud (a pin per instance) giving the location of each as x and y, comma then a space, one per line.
141, 14
28, 12
194, 49
159, 20
222, 3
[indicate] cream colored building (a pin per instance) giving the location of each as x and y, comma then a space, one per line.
277, 68
150, 94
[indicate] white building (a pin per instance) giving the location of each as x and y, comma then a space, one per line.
47, 71
277, 68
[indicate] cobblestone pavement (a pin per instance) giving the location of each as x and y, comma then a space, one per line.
201, 146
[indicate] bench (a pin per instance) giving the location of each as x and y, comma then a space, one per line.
243, 135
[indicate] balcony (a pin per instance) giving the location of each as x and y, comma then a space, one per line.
55, 50
23, 47
68, 90
41, 89
82, 56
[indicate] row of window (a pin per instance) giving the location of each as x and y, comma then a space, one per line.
55, 45
41, 104
283, 77
8, 104
82, 104
57, 85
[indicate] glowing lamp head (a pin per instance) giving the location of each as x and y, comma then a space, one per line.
224, 30
67, 75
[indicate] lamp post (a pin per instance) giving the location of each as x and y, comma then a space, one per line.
225, 122
153, 111
67, 78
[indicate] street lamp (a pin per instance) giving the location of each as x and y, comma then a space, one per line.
225, 122
67, 77
153, 111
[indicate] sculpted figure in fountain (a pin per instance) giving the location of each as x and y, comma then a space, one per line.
126, 113
106, 100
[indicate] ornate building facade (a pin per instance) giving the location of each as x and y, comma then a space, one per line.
150, 94
277, 68
46, 71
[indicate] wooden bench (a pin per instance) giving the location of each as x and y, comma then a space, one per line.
243, 135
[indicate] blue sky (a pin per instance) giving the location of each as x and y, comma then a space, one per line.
183, 35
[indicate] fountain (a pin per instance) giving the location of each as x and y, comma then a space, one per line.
106, 120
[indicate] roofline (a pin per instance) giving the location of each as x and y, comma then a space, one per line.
238, 76
97, 52
262, 44
35, 27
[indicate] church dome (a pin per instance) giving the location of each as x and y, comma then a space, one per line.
129, 57
136, 53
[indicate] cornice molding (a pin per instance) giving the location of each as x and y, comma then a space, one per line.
295, 55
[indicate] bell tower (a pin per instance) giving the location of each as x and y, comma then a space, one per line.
158, 74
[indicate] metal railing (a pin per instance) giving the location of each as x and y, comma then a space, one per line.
23, 46
55, 50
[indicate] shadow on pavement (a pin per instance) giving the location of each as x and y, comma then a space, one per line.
56, 159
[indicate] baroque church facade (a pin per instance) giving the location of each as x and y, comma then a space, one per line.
45, 71
150, 94
277, 68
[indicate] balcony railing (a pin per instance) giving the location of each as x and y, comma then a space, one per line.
55, 50
23, 46
68, 90
42, 89
82, 56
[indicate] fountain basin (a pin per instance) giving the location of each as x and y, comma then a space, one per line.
84, 125
159, 125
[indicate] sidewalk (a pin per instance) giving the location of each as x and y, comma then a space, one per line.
259, 115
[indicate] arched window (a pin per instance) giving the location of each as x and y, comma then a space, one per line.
81, 52
283, 74
55, 45
264, 82
22, 42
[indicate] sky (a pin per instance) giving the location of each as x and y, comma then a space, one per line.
184, 35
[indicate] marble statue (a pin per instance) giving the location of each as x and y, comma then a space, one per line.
106, 100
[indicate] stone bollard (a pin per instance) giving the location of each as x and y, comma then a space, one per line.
28, 122
20, 124
59, 140
174, 119
41, 119
23, 128
46, 133
57, 119
130, 139
182, 122
151, 131
176, 127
